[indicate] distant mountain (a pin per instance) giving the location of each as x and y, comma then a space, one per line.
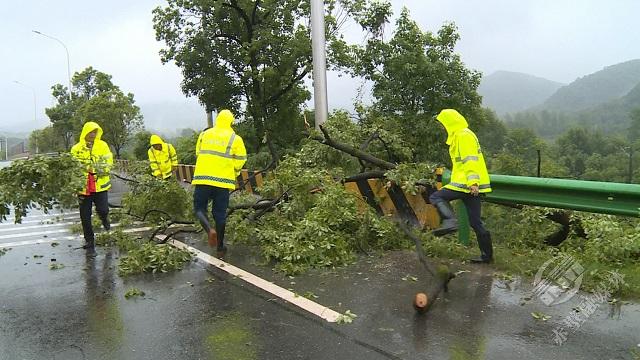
506, 91
611, 83
612, 116
14, 135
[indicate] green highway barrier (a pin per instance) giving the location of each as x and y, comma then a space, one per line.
589, 196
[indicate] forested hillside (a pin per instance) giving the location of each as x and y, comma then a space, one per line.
608, 84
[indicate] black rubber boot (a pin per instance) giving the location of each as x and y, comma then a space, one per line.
221, 250
90, 247
106, 224
486, 249
449, 222
204, 221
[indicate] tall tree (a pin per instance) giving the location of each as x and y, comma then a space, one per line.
62, 115
116, 113
45, 140
94, 97
415, 74
250, 56
141, 145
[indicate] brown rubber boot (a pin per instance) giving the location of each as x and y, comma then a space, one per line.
213, 238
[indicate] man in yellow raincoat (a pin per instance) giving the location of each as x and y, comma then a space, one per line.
97, 159
162, 158
469, 179
220, 157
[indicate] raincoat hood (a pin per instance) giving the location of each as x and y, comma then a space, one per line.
156, 140
224, 119
452, 121
89, 127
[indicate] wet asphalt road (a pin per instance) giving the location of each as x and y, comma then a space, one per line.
79, 311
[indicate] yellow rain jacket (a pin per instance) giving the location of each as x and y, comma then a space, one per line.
162, 161
469, 167
221, 154
97, 161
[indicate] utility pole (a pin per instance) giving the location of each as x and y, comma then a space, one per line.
209, 118
6, 148
630, 177
319, 62
66, 50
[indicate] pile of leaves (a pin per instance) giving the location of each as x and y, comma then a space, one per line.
603, 244
153, 258
610, 240
150, 200
318, 223
133, 292
123, 241
168, 199
143, 256
41, 182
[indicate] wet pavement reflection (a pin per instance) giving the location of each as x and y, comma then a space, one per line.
201, 312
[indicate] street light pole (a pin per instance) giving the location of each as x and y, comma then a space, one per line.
6, 148
65, 49
319, 62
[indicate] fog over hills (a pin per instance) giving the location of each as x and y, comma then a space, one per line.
506, 91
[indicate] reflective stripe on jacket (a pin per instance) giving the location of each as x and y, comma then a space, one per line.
220, 154
161, 161
469, 167
98, 160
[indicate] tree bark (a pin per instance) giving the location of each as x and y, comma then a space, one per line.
357, 153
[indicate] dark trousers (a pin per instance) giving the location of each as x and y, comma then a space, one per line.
202, 194
101, 200
472, 203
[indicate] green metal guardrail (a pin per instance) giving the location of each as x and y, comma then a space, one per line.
590, 196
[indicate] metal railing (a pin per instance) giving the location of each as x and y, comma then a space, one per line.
589, 196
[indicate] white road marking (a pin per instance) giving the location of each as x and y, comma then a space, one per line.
63, 238
42, 222
51, 214
40, 241
32, 234
284, 294
17, 227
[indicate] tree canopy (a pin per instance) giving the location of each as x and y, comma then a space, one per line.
94, 97
250, 56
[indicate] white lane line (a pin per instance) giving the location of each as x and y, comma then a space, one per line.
21, 228
62, 238
40, 241
284, 294
17, 227
49, 215
35, 233
42, 222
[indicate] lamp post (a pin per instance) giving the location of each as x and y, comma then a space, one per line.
6, 148
65, 49
319, 62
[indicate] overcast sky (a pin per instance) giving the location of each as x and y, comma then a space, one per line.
559, 40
